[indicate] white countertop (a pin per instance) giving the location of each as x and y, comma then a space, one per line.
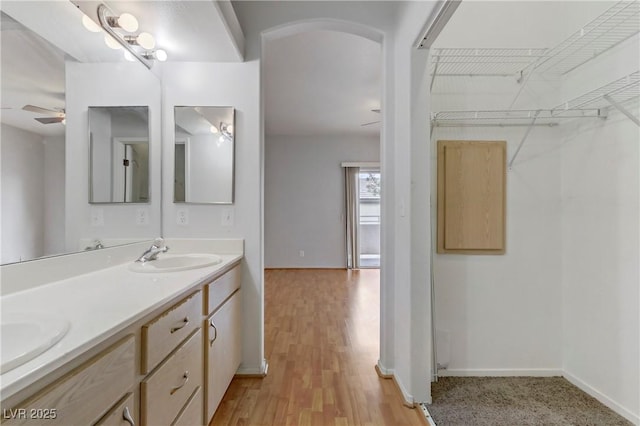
98, 305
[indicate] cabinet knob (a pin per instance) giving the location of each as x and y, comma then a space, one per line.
184, 322
185, 379
126, 416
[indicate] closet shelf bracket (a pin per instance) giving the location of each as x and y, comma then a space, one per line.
622, 109
435, 72
524, 138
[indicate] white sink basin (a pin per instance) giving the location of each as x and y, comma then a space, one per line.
176, 262
24, 336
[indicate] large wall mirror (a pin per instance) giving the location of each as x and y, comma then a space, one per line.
204, 155
44, 125
119, 154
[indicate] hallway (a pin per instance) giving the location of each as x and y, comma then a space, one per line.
322, 343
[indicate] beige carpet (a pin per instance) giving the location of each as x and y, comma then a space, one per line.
516, 401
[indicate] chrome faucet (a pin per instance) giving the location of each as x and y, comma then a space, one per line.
152, 252
97, 244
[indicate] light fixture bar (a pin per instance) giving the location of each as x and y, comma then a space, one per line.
104, 15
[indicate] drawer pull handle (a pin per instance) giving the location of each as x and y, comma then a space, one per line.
215, 336
185, 321
126, 416
185, 380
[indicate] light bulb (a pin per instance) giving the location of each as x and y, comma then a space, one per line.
161, 55
146, 40
111, 42
128, 22
90, 25
213, 129
128, 56
230, 128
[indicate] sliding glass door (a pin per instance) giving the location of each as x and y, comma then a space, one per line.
363, 217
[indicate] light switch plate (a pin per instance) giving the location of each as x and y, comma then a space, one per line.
227, 217
182, 217
97, 217
142, 217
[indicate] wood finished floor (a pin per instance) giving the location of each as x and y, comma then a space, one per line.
322, 343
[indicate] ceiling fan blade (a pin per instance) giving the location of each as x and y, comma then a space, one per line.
39, 110
370, 123
49, 120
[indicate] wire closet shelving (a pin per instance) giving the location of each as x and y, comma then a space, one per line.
617, 24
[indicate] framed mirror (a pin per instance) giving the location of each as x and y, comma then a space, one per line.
204, 155
119, 154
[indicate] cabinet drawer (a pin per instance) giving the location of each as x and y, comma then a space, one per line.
191, 414
223, 350
220, 289
163, 334
122, 414
168, 388
85, 394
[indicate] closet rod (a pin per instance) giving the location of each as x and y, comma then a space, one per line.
495, 124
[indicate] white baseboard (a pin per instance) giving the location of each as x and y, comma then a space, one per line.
501, 372
389, 373
254, 371
384, 370
408, 398
633, 418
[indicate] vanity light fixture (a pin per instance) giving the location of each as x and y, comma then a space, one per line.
226, 130
128, 56
144, 40
158, 54
111, 42
127, 22
90, 25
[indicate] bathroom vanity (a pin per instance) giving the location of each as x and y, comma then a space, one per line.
142, 348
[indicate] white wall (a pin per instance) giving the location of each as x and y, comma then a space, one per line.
108, 84
304, 206
22, 194
503, 312
223, 84
600, 233
600, 216
54, 195
101, 154
210, 168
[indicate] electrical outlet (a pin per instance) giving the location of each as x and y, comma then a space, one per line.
97, 217
182, 217
301, 253
142, 217
227, 217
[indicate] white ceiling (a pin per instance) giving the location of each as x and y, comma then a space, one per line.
32, 73
517, 24
322, 82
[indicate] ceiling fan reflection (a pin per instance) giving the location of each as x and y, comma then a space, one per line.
55, 116
376, 110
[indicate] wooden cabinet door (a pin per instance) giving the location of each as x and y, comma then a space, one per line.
84, 395
471, 197
223, 350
